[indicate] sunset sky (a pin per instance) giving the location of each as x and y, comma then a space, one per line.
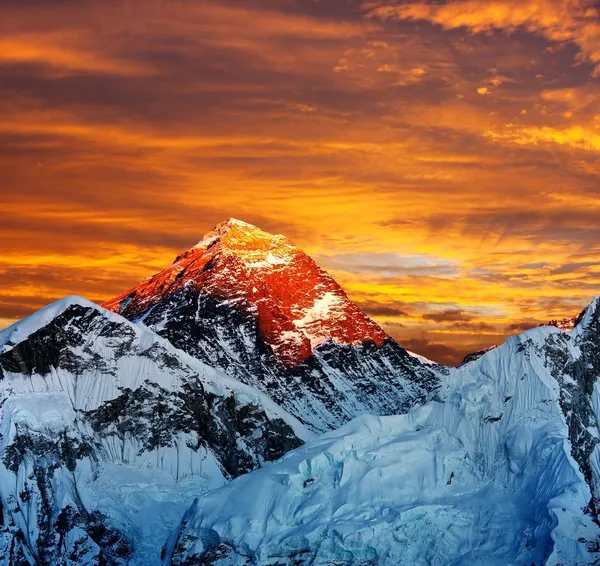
441, 160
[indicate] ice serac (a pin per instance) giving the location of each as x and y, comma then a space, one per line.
108, 432
256, 306
503, 468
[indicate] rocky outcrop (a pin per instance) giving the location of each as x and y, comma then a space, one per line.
568, 323
241, 436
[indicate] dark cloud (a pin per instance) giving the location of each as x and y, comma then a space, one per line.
450, 315
392, 327
437, 352
378, 309
521, 325
572, 267
534, 265
473, 326
536, 225
82, 228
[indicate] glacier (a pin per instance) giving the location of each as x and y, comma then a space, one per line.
484, 474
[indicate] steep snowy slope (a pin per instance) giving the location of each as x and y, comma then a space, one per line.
567, 323
256, 306
107, 432
503, 469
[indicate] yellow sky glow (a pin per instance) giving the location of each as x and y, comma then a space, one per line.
441, 160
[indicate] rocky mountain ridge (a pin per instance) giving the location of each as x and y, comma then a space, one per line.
257, 307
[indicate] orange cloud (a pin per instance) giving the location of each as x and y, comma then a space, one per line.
576, 137
568, 20
129, 129
63, 52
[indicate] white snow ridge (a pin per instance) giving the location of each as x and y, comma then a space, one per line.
177, 437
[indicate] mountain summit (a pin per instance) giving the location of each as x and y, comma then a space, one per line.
253, 304
297, 304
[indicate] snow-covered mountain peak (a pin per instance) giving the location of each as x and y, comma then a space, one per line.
236, 233
253, 304
21, 329
297, 305
255, 247
233, 237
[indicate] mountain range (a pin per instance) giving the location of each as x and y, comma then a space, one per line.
238, 408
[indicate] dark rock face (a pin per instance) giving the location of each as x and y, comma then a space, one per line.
49, 347
67, 449
242, 436
218, 552
381, 379
215, 332
577, 378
